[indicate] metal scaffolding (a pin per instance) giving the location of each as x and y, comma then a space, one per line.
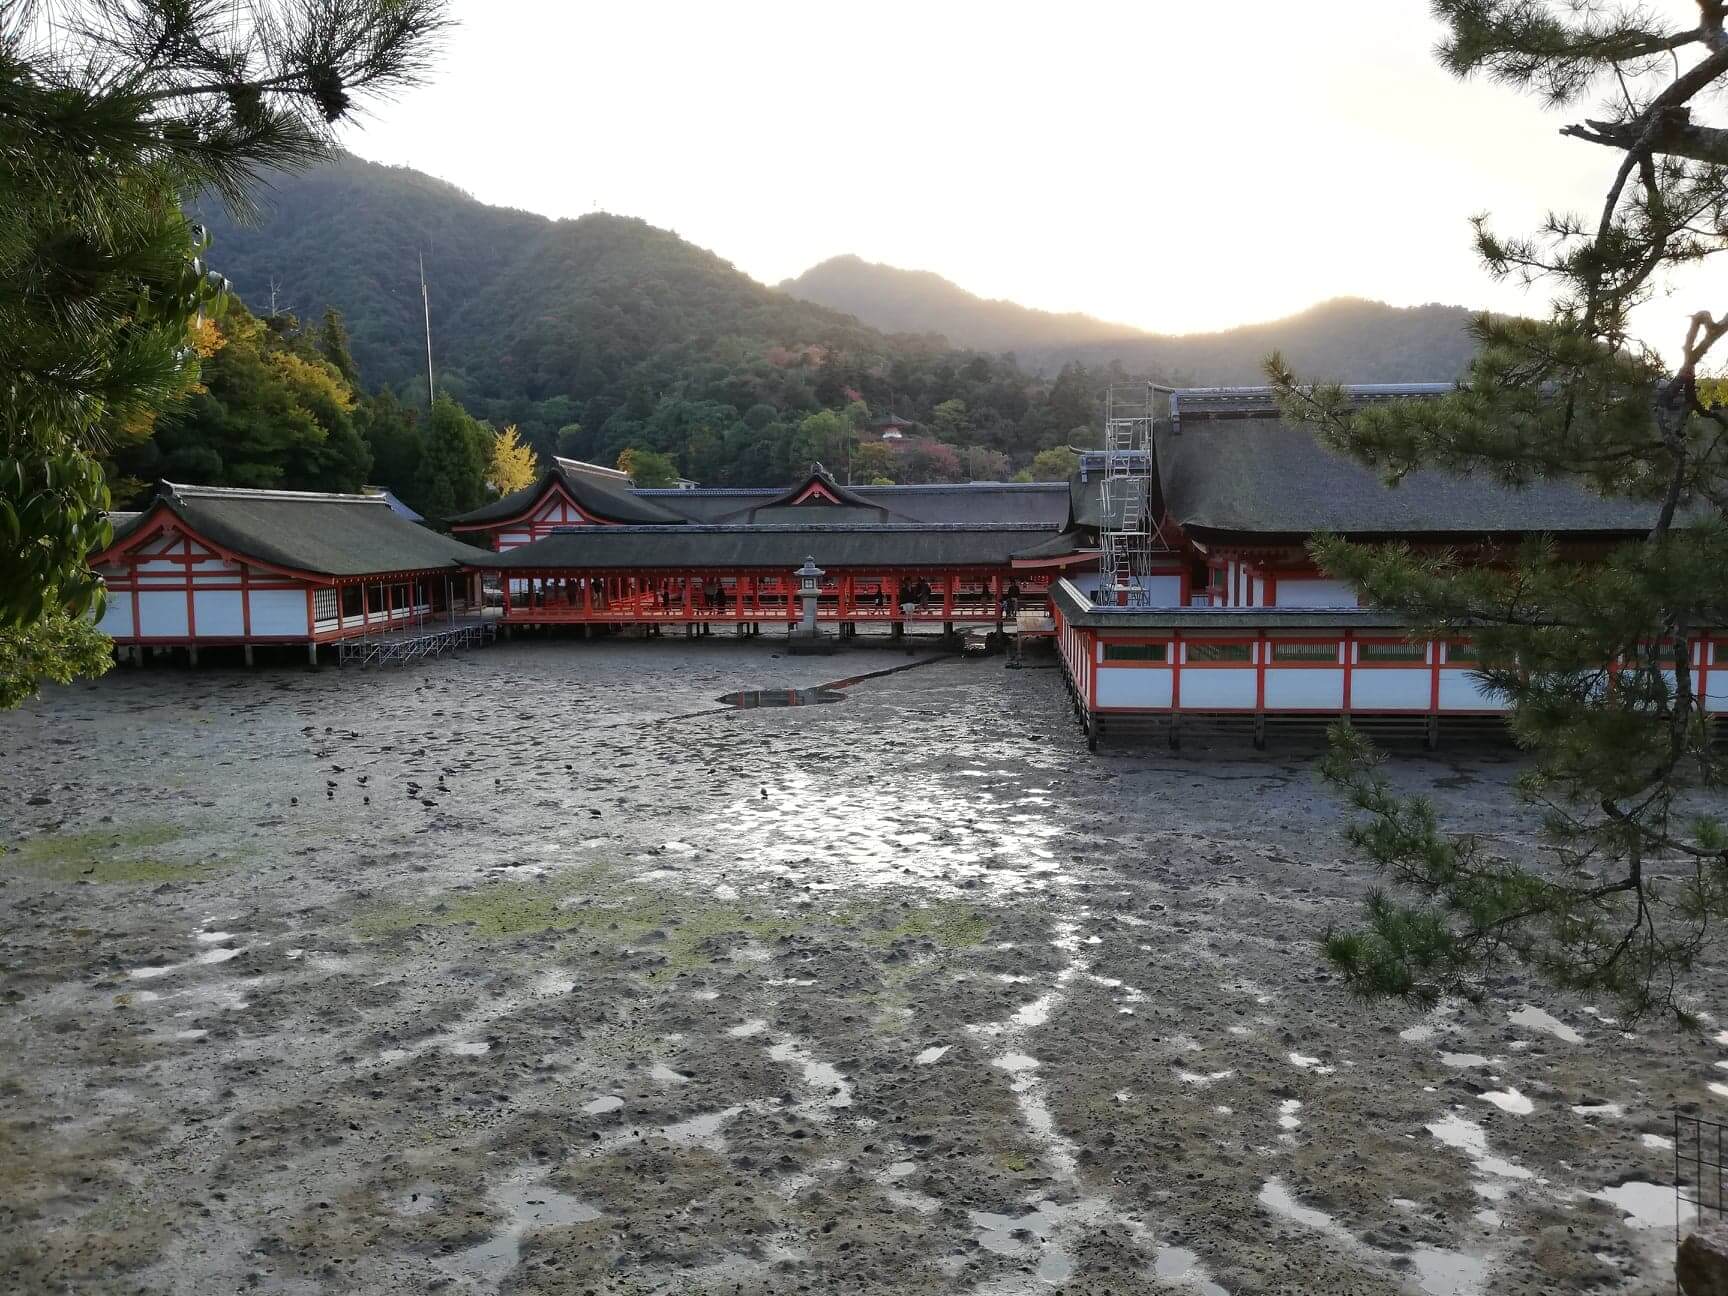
1128, 531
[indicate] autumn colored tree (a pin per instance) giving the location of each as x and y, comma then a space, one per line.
513, 465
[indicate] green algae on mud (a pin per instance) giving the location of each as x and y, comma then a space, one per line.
114, 856
592, 902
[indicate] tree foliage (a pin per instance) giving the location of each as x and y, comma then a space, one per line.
1591, 653
451, 475
512, 465
1058, 463
603, 333
648, 469
111, 112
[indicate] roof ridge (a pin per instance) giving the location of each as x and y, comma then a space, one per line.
799, 528
181, 490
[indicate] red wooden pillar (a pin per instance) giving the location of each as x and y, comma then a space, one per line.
366, 608
1349, 666
948, 595
1175, 651
1262, 656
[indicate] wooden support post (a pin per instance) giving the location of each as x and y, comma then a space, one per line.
312, 654
246, 654
192, 655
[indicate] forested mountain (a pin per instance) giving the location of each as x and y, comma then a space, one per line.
603, 333
1350, 339
921, 301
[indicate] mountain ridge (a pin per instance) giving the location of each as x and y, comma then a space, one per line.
1350, 338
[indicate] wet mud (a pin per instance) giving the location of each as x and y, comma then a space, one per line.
533, 971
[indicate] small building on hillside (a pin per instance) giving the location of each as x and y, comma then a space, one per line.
890, 427
210, 565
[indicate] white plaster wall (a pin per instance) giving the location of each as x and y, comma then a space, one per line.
1203, 689
219, 614
162, 614
1459, 691
1314, 593
1164, 591
1389, 689
278, 612
117, 616
1715, 693
1302, 689
1120, 686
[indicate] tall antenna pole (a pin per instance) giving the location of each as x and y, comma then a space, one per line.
426, 306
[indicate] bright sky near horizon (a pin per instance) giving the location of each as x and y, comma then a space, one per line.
1176, 166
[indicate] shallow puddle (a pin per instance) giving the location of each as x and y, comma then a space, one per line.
1508, 1100
1468, 1137
527, 1204
753, 698
1647, 1205
1537, 1019
1449, 1273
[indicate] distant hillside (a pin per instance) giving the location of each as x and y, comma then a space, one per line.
604, 333
522, 306
1362, 341
921, 301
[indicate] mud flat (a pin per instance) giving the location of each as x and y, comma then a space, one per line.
538, 971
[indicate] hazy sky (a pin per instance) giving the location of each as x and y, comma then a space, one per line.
1172, 164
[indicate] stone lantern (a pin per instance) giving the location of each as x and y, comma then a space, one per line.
807, 638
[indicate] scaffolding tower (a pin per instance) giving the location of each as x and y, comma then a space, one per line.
1127, 530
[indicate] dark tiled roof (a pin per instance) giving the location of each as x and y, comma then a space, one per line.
1060, 545
1086, 502
832, 503
1008, 503
777, 547
1257, 476
604, 500
327, 535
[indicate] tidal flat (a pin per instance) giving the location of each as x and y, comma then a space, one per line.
538, 970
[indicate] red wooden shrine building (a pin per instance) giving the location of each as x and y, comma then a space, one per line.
205, 565
895, 556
